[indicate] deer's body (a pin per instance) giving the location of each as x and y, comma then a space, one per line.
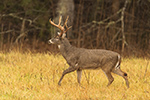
87, 58
80, 59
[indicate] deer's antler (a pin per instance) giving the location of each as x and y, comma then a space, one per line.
62, 29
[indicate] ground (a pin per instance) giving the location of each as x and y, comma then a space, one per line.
32, 76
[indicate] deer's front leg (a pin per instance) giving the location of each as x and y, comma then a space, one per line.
70, 69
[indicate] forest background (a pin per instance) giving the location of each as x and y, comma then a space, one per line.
118, 25
30, 67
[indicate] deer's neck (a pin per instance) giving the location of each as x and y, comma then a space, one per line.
66, 48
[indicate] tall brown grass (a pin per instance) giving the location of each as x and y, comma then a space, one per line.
28, 76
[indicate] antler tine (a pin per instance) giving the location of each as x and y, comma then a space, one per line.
65, 24
53, 23
59, 26
67, 29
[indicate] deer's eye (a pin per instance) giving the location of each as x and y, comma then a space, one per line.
57, 38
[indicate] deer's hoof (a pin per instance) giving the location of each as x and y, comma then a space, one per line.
59, 84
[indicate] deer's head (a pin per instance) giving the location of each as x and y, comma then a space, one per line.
60, 35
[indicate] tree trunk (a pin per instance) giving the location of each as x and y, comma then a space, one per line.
66, 8
115, 8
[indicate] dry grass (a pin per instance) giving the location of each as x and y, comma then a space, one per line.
34, 77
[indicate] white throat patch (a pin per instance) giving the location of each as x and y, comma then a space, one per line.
59, 46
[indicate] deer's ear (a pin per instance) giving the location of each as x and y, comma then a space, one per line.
64, 35
58, 33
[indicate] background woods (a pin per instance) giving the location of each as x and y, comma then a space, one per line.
117, 25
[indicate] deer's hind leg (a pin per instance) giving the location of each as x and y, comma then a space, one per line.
107, 70
79, 74
109, 76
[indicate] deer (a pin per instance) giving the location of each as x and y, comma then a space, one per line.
80, 59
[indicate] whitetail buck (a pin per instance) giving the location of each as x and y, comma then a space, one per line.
80, 58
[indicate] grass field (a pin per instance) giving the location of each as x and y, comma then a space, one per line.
28, 76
